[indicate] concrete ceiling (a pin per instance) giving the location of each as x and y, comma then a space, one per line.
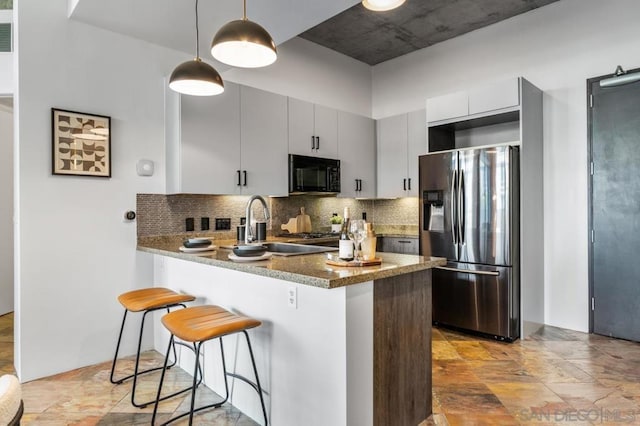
374, 37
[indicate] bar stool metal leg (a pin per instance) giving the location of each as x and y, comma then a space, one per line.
197, 368
218, 404
256, 386
200, 324
136, 372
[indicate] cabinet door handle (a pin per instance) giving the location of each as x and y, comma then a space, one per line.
313, 143
244, 175
359, 184
409, 184
238, 172
356, 185
404, 242
317, 142
404, 184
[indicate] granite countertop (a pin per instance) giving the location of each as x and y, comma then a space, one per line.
309, 269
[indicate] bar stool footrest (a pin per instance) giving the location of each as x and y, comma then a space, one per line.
247, 381
195, 410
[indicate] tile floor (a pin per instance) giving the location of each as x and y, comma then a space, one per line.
556, 376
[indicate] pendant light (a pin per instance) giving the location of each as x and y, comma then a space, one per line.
196, 77
381, 5
243, 43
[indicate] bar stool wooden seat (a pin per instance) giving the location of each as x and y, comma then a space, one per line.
199, 324
146, 300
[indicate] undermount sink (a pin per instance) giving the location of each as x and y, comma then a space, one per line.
291, 249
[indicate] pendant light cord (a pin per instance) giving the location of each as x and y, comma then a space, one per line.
244, 10
197, 33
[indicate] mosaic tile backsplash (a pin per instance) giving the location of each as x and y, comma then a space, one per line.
159, 214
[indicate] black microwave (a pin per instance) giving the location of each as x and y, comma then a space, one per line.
313, 174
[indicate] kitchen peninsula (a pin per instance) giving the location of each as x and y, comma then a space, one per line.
337, 345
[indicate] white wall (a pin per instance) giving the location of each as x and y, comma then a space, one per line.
6, 209
313, 73
74, 254
556, 47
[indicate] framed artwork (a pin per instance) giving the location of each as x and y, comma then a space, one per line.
81, 143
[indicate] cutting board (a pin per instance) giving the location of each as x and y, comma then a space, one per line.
291, 226
303, 221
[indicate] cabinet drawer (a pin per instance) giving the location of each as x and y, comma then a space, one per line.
403, 245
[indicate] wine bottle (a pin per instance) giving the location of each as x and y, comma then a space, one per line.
345, 247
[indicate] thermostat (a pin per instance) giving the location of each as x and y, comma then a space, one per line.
144, 168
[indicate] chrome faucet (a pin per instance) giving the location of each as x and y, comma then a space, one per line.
248, 233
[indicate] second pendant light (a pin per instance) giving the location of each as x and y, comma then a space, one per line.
243, 43
382, 5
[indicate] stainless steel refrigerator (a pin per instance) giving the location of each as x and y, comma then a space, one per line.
469, 213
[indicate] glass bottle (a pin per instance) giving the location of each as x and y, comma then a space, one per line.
369, 244
345, 245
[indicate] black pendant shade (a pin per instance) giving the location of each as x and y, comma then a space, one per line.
196, 78
244, 43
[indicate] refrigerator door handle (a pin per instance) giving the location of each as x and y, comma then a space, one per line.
461, 207
454, 176
466, 271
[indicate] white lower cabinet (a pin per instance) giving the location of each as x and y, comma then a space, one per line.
234, 143
357, 154
401, 139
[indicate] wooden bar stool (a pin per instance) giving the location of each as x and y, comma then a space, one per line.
147, 300
199, 324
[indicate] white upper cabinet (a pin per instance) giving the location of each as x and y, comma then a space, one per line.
264, 159
401, 139
234, 143
487, 99
494, 96
313, 129
416, 146
357, 154
209, 144
392, 156
447, 106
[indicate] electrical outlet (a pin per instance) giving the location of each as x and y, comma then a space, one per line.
189, 225
223, 223
204, 223
292, 297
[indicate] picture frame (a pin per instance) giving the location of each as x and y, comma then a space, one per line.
81, 143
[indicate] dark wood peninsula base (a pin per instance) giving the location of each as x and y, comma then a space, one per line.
402, 349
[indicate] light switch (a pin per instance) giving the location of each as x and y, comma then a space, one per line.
144, 168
